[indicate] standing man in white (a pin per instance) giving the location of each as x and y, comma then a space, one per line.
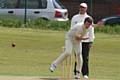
86, 44
73, 41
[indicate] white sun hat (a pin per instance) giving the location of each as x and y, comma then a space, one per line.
83, 5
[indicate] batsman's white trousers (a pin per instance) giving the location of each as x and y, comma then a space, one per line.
69, 46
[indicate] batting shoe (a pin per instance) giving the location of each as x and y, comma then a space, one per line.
85, 77
52, 67
77, 75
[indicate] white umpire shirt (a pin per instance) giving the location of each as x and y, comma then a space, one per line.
78, 18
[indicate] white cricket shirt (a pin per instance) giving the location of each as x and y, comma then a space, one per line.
78, 18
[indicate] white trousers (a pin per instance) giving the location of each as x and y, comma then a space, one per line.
69, 46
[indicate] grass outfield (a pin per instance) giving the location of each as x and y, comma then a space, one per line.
36, 49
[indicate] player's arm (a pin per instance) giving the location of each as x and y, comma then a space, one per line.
85, 38
99, 24
79, 36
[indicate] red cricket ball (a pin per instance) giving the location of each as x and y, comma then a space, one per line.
13, 44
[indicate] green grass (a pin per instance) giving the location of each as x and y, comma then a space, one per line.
105, 57
36, 49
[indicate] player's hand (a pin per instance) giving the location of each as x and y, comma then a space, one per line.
100, 24
78, 37
85, 38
